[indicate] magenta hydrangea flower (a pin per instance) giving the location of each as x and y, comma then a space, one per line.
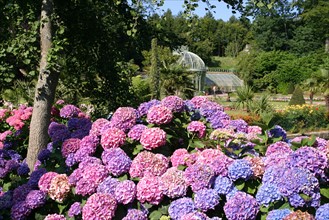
199, 176
197, 101
99, 126
216, 159
45, 181
150, 189
125, 192
206, 199
116, 161
135, 214
55, 217
179, 157
89, 179
88, 146
69, 111
113, 137
99, 206
124, 118
241, 206
174, 183
136, 131
159, 115
59, 187
197, 127
69, 146
253, 131
152, 138
197, 216
174, 103
278, 147
35, 199
147, 163
145, 106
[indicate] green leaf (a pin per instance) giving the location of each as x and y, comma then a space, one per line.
137, 149
239, 184
311, 140
199, 144
124, 177
264, 209
305, 197
61, 208
181, 167
325, 192
155, 215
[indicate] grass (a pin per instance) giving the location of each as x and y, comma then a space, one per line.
226, 62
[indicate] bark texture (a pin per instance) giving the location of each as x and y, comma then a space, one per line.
44, 91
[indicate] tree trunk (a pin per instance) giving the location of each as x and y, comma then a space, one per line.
311, 98
326, 100
44, 91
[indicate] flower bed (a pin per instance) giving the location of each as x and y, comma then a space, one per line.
169, 159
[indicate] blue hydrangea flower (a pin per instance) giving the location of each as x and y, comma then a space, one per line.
206, 199
116, 160
35, 176
108, 186
223, 185
278, 214
239, 125
278, 131
180, 207
44, 155
240, 169
322, 213
267, 193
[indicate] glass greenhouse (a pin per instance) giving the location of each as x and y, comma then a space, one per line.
226, 82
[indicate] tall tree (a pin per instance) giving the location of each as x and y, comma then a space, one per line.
45, 89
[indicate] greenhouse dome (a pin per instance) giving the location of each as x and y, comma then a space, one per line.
226, 82
194, 64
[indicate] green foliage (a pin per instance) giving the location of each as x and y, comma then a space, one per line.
297, 97
245, 95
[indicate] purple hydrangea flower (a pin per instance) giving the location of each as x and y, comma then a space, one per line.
136, 131
195, 216
35, 177
268, 193
322, 212
223, 185
180, 207
23, 169
11, 165
278, 131
124, 118
240, 169
278, 214
58, 132
239, 125
44, 155
209, 108
75, 209
88, 146
174, 183
174, 103
70, 160
35, 199
135, 214
116, 160
241, 206
145, 106
19, 211
6, 200
108, 186
69, 111
219, 119
105, 205
199, 176
206, 199
279, 147
125, 192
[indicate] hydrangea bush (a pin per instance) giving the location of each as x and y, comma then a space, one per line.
166, 159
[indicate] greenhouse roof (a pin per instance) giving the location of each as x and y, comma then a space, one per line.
223, 80
191, 61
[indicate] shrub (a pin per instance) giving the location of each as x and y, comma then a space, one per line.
297, 97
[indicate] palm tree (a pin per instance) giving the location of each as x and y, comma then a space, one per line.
245, 96
324, 86
311, 85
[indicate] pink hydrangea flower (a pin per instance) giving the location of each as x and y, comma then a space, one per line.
59, 187
257, 166
152, 138
278, 147
69, 146
112, 138
198, 100
197, 127
69, 111
179, 157
159, 115
45, 181
147, 163
136, 131
124, 118
174, 183
150, 189
4, 135
99, 126
3, 113
55, 217
99, 206
125, 192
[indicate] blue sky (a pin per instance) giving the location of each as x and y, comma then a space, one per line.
222, 12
